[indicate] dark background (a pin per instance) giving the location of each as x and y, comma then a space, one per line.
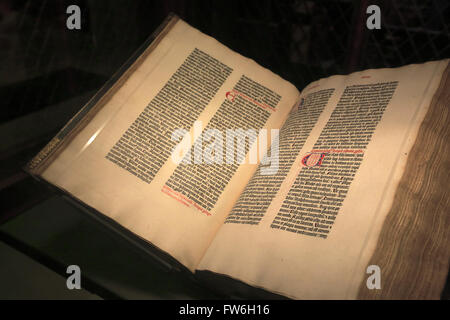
48, 72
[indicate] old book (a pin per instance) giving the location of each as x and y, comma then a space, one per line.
238, 175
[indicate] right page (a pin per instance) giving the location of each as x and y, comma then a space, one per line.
309, 230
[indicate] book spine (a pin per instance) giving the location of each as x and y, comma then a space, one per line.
38, 164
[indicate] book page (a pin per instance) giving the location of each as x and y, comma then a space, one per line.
312, 232
123, 162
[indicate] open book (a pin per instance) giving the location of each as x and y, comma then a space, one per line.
234, 172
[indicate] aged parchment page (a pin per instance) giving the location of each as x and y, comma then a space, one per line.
415, 264
329, 260
92, 167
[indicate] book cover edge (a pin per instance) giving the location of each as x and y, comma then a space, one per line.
40, 161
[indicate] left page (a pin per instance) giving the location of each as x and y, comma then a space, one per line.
121, 162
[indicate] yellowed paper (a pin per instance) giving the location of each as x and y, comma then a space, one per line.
305, 267
82, 169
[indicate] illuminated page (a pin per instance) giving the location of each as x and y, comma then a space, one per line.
121, 163
350, 136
